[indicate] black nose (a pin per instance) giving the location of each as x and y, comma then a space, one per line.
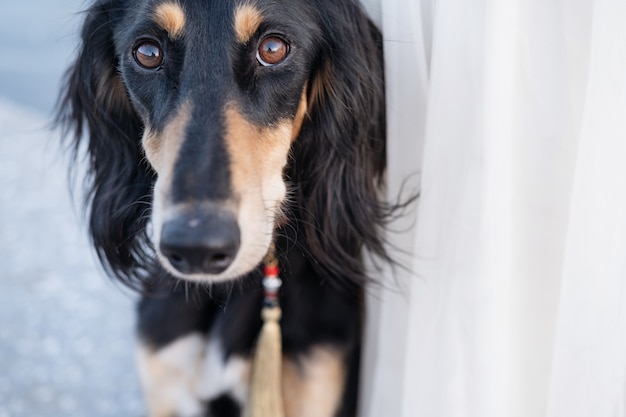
200, 243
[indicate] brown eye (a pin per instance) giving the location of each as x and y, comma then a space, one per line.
272, 50
149, 55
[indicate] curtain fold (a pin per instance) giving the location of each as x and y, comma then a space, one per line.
588, 376
511, 116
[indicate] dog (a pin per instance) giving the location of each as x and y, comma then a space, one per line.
214, 130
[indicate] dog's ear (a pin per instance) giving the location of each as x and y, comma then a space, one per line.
95, 112
339, 156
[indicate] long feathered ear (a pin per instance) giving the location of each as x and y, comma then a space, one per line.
339, 157
97, 117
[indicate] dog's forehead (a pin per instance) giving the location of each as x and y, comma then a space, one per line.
218, 24
209, 52
179, 17
173, 14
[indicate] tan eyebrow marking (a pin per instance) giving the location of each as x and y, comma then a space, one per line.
247, 20
171, 17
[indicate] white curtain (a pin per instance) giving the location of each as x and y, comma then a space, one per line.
510, 116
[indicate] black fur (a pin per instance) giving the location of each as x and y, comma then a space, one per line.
335, 171
95, 110
223, 406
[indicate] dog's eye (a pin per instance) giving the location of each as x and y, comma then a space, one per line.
148, 54
272, 50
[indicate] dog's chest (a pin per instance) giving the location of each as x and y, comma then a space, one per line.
219, 376
182, 378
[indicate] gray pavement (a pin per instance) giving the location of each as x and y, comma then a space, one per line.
66, 331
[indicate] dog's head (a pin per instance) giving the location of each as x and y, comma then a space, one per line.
220, 88
205, 116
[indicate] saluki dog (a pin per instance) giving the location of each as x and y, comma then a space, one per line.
214, 130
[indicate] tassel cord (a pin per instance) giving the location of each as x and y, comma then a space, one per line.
265, 398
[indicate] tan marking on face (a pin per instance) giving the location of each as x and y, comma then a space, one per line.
257, 158
162, 148
169, 375
171, 17
247, 20
257, 155
313, 386
300, 115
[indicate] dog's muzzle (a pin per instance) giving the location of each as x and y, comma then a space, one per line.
200, 241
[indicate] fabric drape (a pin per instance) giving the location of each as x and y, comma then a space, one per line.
510, 117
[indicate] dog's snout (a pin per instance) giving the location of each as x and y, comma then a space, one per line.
200, 244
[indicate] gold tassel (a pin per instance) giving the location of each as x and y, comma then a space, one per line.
265, 398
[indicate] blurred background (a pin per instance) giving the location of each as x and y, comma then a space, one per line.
66, 330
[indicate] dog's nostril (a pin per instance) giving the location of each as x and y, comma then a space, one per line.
206, 248
220, 257
176, 260
174, 257
218, 260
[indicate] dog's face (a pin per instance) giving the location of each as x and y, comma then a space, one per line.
222, 91
200, 108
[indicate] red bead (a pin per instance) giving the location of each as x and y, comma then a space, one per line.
271, 271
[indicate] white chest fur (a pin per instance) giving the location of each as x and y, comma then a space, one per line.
178, 378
